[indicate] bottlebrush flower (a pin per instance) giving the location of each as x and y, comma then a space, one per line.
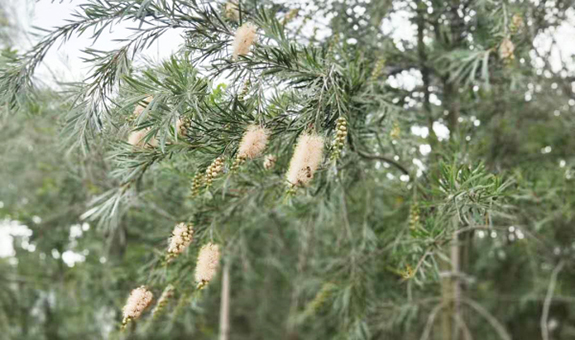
140, 108
506, 49
245, 36
207, 265
139, 299
269, 162
232, 10
167, 294
253, 142
181, 238
136, 138
214, 170
306, 159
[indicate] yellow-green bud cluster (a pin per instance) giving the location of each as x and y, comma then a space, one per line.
516, 23
197, 184
167, 294
239, 161
395, 131
339, 140
291, 15
377, 70
414, 219
214, 170
185, 126
320, 299
245, 90
408, 273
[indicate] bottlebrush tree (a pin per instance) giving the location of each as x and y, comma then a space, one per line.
299, 172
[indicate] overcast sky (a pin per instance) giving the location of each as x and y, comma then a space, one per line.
65, 59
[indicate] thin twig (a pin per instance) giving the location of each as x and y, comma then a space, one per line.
430, 319
548, 299
497, 326
385, 159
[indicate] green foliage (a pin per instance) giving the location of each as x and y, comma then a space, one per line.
387, 240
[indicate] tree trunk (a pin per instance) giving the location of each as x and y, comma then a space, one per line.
225, 303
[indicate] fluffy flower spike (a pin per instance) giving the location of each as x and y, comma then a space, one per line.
207, 265
506, 50
232, 10
306, 159
181, 238
139, 299
254, 142
245, 37
137, 138
141, 108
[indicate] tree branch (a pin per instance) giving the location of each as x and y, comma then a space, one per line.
385, 159
549, 299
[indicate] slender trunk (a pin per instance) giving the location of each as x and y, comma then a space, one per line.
225, 303
455, 284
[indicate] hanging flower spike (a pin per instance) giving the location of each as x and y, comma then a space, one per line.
232, 10
506, 50
252, 144
214, 170
306, 159
139, 299
167, 294
339, 140
197, 184
136, 139
516, 23
141, 108
245, 36
395, 131
207, 265
182, 126
269, 161
181, 238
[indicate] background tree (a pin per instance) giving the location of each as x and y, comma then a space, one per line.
439, 210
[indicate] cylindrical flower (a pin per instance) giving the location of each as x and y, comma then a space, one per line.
197, 184
136, 138
139, 299
181, 238
140, 108
214, 170
306, 159
269, 161
506, 49
182, 126
253, 142
232, 10
339, 140
167, 294
207, 265
243, 40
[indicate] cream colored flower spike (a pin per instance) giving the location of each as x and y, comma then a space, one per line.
306, 159
253, 142
245, 37
139, 299
136, 138
207, 265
